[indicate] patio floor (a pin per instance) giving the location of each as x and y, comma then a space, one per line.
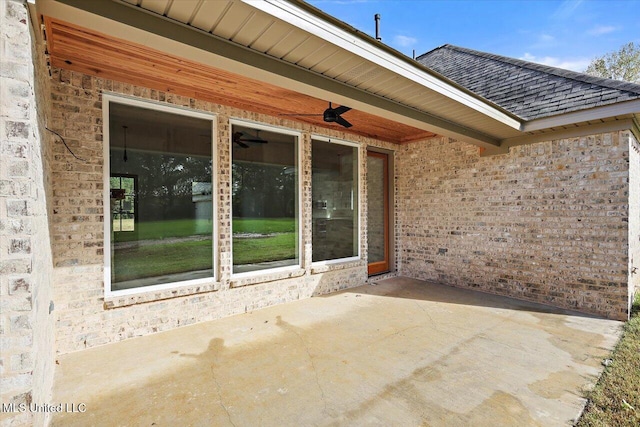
402, 352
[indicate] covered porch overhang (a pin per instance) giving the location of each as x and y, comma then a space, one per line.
283, 58
272, 57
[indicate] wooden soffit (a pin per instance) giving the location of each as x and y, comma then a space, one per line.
80, 49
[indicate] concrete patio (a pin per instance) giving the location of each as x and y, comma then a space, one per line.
402, 352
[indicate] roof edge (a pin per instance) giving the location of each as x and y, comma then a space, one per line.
559, 72
310, 19
574, 132
591, 114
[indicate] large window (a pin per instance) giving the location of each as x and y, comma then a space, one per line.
160, 195
335, 201
265, 203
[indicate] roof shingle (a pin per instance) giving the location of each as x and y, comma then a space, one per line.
525, 89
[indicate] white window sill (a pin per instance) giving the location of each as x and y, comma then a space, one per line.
115, 301
323, 267
258, 278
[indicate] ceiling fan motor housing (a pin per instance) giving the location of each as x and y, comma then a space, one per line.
329, 115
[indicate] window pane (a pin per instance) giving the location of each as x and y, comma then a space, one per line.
264, 200
335, 201
161, 205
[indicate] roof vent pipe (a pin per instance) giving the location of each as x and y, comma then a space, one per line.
377, 18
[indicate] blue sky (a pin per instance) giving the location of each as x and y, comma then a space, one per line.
566, 34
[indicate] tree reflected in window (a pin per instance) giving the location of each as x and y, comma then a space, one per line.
264, 199
160, 197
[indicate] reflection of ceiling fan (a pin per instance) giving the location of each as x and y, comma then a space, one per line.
240, 139
330, 115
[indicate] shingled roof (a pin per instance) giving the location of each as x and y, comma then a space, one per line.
525, 89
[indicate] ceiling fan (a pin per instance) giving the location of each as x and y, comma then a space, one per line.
330, 115
240, 139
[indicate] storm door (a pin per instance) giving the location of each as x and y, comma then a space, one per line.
378, 212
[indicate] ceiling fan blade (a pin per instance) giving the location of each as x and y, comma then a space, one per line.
341, 109
241, 144
330, 115
343, 122
299, 115
238, 137
259, 141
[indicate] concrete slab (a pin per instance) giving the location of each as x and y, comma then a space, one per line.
402, 352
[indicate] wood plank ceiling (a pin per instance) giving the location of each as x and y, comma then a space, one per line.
80, 49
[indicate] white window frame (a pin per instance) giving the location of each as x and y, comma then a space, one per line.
357, 257
299, 148
107, 99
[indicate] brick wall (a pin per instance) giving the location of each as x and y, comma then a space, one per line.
634, 213
26, 326
546, 222
78, 215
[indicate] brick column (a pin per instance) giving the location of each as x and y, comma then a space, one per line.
26, 324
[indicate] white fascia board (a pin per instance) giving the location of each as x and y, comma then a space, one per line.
572, 132
619, 109
290, 13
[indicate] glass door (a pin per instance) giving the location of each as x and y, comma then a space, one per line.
378, 212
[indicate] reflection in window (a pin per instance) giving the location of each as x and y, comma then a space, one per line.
123, 190
160, 197
335, 201
264, 199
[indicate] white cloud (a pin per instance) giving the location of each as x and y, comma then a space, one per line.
601, 29
546, 38
404, 41
574, 64
567, 9
543, 41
